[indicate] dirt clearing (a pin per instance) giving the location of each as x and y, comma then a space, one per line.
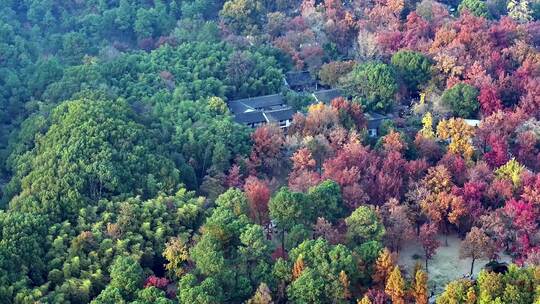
445, 266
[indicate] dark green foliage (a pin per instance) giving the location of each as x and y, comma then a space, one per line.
64, 33
151, 295
76, 258
368, 253
232, 256
497, 8
462, 100
243, 16
114, 118
294, 213
364, 225
196, 30
126, 276
297, 235
106, 21
198, 140
535, 10
298, 101
325, 200
413, 68
109, 296
198, 71
288, 209
22, 250
308, 288
201, 8
21, 145
93, 149
190, 71
93, 57
206, 292
319, 282
373, 84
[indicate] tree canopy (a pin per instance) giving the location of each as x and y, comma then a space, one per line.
373, 84
462, 100
413, 68
128, 175
93, 149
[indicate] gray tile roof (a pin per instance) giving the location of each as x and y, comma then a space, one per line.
280, 115
238, 107
256, 103
326, 96
250, 117
374, 120
375, 116
262, 109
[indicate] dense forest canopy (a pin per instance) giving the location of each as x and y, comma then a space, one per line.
126, 175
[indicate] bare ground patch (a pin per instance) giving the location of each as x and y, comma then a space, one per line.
445, 266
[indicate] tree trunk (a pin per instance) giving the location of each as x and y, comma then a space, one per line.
426, 266
259, 219
283, 240
250, 272
472, 266
446, 234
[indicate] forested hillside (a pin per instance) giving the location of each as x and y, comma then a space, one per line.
128, 174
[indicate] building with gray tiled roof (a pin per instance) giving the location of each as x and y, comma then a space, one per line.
257, 111
326, 96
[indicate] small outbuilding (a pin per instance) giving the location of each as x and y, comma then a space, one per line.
374, 123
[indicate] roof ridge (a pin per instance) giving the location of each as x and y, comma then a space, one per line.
265, 117
246, 105
275, 110
260, 96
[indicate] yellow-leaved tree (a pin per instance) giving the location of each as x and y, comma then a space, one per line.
364, 300
176, 253
263, 295
427, 126
511, 171
345, 284
383, 267
395, 287
459, 133
420, 287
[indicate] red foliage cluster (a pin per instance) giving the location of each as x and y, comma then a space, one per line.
412, 180
266, 152
428, 239
157, 282
258, 195
303, 175
349, 110
365, 176
498, 155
